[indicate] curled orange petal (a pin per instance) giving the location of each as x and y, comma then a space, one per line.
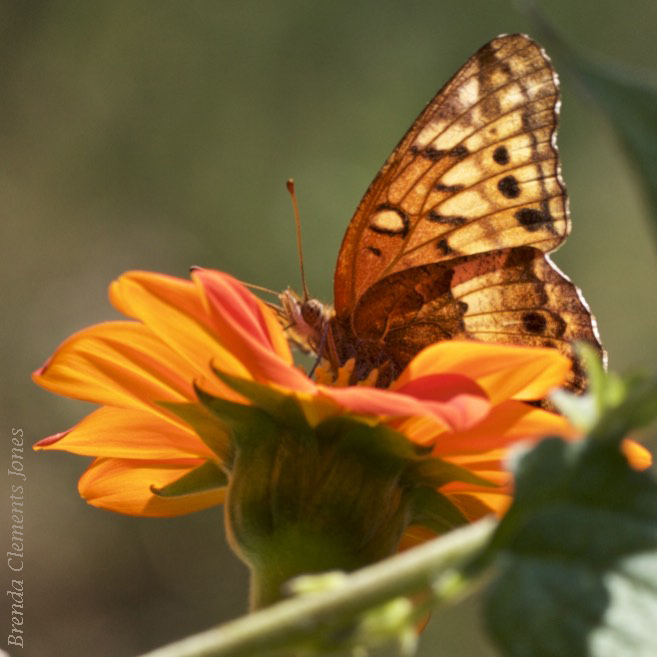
506, 424
503, 371
249, 329
174, 310
124, 486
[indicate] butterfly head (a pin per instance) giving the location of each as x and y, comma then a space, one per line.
305, 320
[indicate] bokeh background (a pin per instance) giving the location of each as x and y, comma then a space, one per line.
158, 135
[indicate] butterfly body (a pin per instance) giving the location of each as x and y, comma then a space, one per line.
451, 238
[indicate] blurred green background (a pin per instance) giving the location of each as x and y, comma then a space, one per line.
159, 135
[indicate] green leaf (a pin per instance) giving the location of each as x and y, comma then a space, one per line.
637, 410
613, 407
206, 477
628, 97
578, 573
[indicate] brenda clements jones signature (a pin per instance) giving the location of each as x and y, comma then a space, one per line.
15, 555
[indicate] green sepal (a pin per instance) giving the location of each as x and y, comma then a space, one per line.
369, 441
429, 507
438, 472
434, 510
284, 407
213, 433
206, 477
230, 413
243, 422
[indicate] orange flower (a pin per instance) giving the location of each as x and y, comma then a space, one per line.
462, 401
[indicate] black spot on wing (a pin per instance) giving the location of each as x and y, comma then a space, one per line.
429, 153
458, 151
534, 322
452, 189
435, 154
443, 247
509, 187
532, 219
450, 221
501, 155
375, 251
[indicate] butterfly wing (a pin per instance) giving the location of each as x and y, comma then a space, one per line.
512, 296
477, 171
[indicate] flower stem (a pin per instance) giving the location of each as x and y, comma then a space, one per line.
301, 619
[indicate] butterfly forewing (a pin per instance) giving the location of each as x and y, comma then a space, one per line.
477, 171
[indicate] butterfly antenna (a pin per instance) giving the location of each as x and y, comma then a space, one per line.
297, 223
260, 288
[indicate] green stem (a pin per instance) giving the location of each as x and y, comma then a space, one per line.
298, 620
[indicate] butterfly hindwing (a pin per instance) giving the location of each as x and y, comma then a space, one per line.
477, 171
512, 296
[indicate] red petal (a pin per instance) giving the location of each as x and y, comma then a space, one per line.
450, 403
451, 395
247, 329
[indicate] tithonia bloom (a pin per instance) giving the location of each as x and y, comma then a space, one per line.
201, 403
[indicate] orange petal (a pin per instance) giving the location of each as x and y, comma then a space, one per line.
638, 456
415, 535
420, 430
245, 327
129, 434
174, 310
507, 423
124, 485
492, 471
118, 364
503, 371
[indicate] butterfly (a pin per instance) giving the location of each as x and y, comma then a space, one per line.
452, 236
